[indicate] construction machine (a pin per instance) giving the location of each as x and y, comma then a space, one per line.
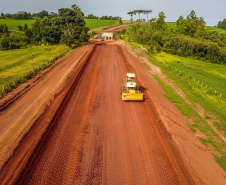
130, 90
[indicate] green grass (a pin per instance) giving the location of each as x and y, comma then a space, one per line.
95, 23
210, 28
17, 63
171, 25
13, 23
147, 66
212, 75
183, 71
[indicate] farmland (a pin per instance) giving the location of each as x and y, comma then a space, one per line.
16, 63
203, 82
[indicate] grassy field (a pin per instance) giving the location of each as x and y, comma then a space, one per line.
91, 23
17, 63
210, 28
202, 82
12, 23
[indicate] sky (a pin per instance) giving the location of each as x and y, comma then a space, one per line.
211, 10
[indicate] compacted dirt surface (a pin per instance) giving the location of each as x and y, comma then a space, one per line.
70, 126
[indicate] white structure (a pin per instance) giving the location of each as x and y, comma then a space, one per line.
107, 35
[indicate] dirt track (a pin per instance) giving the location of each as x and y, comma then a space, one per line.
86, 134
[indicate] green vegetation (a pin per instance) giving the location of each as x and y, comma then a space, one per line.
218, 30
13, 23
171, 25
202, 82
17, 63
222, 24
92, 24
147, 66
206, 73
68, 27
186, 37
100, 24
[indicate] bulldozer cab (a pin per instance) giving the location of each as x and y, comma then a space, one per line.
130, 77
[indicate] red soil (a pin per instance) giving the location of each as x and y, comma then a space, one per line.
70, 126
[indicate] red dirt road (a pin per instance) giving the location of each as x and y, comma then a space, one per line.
86, 134
99, 139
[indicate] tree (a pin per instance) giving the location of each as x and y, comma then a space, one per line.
160, 22
131, 13
147, 12
139, 12
5, 44
19, 27
72, 24
222, 24
120, 20
51, 34
25, 26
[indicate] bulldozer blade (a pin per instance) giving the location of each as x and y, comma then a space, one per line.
132, 96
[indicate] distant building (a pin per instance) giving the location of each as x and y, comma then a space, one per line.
107, 35
20, 12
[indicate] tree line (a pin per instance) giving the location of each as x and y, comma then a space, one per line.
190, 38
105, 17
68, 27
222, 24
27, 15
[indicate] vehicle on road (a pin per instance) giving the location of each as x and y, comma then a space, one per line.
102, 38
130, 90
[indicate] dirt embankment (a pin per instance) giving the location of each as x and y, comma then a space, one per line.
80, 131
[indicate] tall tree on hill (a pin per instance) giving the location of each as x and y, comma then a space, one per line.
160, 22
139, 12
131, 13
147, 12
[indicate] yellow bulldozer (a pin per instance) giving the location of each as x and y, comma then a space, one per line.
130, 90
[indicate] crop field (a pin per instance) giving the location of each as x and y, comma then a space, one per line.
16, 63
13, 23
100, 24
91, 23
202, 82
210, 74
